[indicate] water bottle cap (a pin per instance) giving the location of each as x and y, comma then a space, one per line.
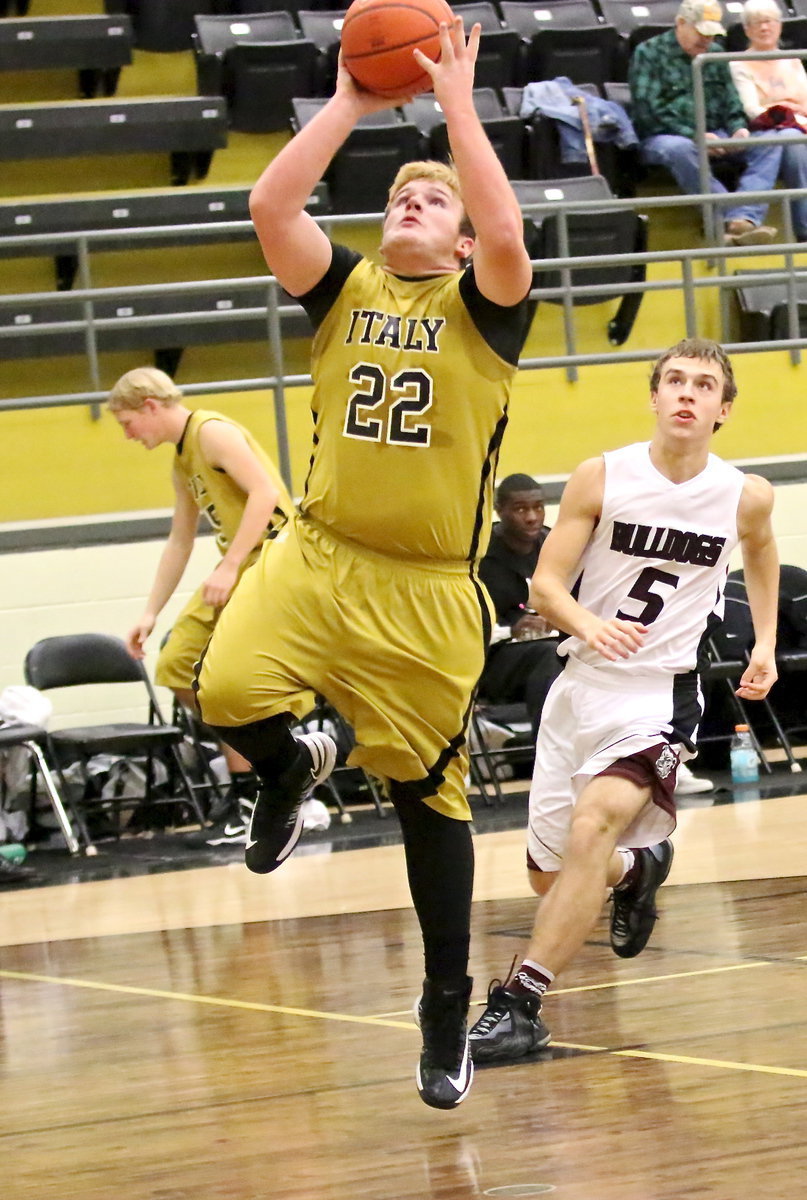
741, 729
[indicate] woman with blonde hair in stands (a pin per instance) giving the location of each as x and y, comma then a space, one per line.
774, 95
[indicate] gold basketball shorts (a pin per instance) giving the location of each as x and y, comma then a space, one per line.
188, 636
395, 646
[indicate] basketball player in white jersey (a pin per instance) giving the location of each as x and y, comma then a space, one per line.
634, 571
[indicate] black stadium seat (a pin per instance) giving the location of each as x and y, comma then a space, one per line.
605, 232
361, 172
258, 63
627, 15
162, 25
505, 131
761, 311
324, 29
498, 60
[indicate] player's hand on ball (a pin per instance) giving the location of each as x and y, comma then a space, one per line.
366, 102
453, 74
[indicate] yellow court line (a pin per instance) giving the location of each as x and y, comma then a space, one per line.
688, 1060
194, 998
253, 1006
618, 983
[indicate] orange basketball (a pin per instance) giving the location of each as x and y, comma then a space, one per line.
378, 37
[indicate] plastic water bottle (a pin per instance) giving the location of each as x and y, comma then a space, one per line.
13, 852
744, 762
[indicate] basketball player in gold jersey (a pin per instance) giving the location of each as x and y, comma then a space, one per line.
373, 596
219, 470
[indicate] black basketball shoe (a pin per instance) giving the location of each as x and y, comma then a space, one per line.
231, 830
277, 819
509, 1028
445, 1071
634, 908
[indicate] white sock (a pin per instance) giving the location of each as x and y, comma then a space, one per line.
628, 859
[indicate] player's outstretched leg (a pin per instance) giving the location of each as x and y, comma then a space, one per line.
445, 1071
277, 819
634, 908
509, 1028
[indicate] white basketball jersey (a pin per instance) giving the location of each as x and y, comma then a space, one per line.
659, 555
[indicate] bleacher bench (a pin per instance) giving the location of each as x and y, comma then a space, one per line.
79, 215
190, 128
96, 46
218, 314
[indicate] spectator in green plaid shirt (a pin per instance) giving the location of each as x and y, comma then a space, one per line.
663, 114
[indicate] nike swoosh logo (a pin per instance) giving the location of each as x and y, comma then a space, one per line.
460, 1080
251, 841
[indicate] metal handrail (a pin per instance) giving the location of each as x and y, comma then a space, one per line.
277, 380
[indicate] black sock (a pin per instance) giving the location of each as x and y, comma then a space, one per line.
268, 744
243, 786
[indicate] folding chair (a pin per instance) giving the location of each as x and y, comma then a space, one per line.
94, 658
484, 758
728, 671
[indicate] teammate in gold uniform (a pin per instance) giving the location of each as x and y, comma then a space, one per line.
373, 597
219, 470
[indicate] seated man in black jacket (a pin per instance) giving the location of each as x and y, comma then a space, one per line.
522, 660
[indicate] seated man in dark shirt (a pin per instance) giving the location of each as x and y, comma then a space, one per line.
522, 660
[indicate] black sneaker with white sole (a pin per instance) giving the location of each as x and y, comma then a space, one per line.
509, 1028
634, 908
445, 1071
232, 831
277, 819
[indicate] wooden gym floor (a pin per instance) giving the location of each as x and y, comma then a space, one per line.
212, 1034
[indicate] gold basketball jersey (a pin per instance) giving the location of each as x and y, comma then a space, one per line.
214, 492
410, 405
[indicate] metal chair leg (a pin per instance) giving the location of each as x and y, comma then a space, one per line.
55, 799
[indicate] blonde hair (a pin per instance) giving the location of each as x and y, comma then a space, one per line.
435, 172
141, 384
760, 8
439, 172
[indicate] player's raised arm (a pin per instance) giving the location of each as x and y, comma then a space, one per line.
501, 262
296, 250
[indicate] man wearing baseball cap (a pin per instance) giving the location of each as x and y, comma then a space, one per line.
663, 114
705, 15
